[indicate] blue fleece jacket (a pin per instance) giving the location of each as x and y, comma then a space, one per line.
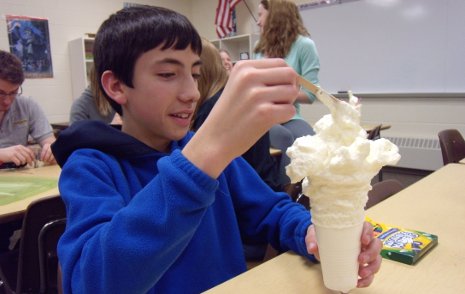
142, 221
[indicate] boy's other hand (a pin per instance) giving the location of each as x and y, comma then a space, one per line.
369, 258
18, 154
259, 94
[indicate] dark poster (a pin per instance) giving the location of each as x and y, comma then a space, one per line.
30, 42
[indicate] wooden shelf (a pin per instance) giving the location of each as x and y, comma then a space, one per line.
81, 61
237, 45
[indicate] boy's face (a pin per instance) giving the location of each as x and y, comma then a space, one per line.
8, 93
160, 107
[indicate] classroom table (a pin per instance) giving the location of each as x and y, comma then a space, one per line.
435, 204
462, 160
16, 210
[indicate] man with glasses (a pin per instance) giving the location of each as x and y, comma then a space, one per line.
20, 118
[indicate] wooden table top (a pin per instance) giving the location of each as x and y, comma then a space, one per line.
16, 209
435, 204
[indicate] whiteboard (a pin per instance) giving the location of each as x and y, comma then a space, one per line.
390, 46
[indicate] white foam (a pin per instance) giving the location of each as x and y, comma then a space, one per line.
337, 165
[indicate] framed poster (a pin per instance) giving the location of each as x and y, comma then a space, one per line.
30, 42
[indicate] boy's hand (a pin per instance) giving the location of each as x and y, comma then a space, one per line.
18, 154
259, 94
369, 258
46, 154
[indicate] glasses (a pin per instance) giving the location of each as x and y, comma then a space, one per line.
13, 94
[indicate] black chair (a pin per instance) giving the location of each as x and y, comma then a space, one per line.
452, 146
383, 190
20, 269
48, 258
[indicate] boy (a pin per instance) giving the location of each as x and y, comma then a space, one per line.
154, 208
20, 117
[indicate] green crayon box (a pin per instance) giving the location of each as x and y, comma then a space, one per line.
402, 245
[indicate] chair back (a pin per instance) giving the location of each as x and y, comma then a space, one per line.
48, 257
383, 190
452, 146
38, 214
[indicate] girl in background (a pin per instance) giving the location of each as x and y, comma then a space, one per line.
92, 105
226, 59
283, 35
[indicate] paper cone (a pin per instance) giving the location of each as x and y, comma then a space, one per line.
339, 250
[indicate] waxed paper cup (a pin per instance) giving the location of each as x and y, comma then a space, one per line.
339, 250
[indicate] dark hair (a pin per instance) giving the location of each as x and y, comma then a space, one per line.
11, 69
265, 4
132, 31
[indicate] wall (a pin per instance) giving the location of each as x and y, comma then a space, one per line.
410, 116
417, 117
423, 52
203, 17
67, 20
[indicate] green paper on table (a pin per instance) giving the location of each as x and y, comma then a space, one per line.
17, 188
402, 245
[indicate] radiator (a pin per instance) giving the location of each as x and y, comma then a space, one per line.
418, 153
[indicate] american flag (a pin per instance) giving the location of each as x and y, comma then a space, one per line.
223, 19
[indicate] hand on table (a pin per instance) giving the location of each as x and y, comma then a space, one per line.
369, 258
46, 154
17, 154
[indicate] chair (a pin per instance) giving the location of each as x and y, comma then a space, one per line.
48, 258
452, 146
20, 269
383, 190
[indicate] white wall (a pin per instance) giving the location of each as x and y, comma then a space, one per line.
67, 20
413, 117
409, 117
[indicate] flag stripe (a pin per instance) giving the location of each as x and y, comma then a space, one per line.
223, 19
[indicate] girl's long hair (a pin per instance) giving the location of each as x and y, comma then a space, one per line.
213, 75
282, 27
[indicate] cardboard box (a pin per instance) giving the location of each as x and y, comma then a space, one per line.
403, 245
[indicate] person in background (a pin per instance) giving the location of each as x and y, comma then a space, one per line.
20, 118
283, 35
154, 208
226, 59
92, 105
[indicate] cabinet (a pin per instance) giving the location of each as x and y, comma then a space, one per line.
237, 45
81, 63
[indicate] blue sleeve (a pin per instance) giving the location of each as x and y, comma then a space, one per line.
265, 215
144, 230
